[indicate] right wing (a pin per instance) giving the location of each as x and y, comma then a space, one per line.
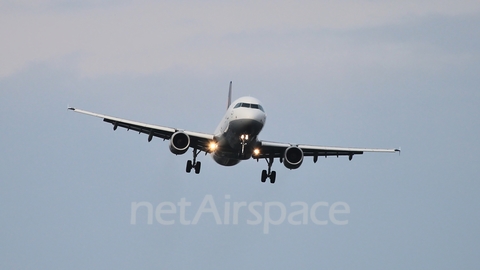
199, 140
277, 150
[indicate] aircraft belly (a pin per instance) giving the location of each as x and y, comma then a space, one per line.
225, 161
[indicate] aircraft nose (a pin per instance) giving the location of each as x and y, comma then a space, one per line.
258, 116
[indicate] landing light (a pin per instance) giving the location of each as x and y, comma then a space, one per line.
244, 136
256, 152
212, 146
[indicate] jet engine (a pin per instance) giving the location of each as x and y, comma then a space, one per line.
293, 157
179, 143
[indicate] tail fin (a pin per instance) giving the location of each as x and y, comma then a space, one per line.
229, 95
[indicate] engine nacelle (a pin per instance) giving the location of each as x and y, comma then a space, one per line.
293, 157
179, 143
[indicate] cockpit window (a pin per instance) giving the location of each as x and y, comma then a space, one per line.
257, 106
248, 105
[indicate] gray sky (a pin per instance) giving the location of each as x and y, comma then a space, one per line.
340, 73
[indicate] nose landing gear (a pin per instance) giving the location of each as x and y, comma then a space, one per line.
243, 142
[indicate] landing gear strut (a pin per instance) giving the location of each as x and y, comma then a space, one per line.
194, 164
269, 174
243, 142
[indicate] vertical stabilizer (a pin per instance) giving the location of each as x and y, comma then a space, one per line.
229, 95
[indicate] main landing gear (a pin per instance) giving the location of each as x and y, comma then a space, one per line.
269, 174
194, 164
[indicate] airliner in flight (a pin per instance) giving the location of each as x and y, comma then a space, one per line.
235, 139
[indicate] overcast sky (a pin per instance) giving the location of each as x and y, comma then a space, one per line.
339, 73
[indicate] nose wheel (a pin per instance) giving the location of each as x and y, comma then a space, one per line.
269, 173
194, 164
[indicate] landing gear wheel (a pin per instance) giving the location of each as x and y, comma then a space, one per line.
264, 176
198, 165
189, 166
273, 175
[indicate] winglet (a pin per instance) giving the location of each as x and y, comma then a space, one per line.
229, 95
399, 150
71, 108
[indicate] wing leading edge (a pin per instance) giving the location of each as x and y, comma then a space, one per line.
200, 141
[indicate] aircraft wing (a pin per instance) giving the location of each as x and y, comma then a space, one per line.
199, 140
276, 150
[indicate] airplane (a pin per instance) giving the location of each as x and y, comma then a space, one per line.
235, 139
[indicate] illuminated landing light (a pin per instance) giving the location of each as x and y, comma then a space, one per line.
256, 152
244, 137
212, 146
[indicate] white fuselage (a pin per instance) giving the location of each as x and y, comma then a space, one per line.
236, 135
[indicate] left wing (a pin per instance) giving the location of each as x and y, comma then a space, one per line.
199, 141
277, 150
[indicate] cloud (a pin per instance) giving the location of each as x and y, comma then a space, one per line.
151, 37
